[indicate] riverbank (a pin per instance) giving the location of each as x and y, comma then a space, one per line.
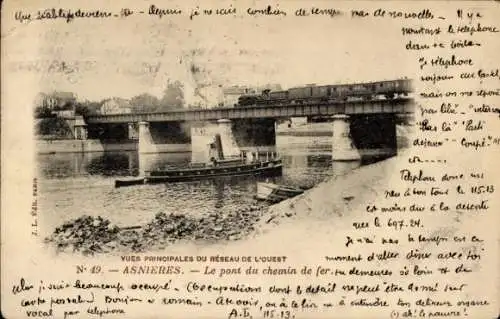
322, 133
331, 203
334, 198
328, 201
90, 235
306, 129
94, 145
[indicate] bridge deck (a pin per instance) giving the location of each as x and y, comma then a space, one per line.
402, 105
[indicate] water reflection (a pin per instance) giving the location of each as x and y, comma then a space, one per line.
76, 184
298, 168
113, 164
149, 162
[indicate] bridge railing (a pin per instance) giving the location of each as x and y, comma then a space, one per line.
401, 105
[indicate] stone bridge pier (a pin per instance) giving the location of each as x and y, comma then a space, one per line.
253, 135
359, 137
228, 141
157, 137
345, 155
160, 137
146, 144
354, 136
343, 147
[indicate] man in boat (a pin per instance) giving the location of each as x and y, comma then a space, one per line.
212, 153
249, 158
213, 160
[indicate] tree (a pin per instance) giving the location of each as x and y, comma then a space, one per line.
55, 127
42, 112
54, 101
87, 107
144, 103
62, 100
173, 97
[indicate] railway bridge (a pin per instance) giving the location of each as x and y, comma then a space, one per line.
360, 124
362, 107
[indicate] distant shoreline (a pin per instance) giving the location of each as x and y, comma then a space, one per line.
305, 133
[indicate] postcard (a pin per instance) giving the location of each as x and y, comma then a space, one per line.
244, 160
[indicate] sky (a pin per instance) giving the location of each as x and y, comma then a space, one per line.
124, 57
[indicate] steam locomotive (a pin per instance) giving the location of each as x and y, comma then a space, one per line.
312, 94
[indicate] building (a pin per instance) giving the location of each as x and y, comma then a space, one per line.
64, 114
79, 128
56, 100
116, 105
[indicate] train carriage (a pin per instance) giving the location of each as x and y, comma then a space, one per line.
360, 90
278, 95
339, 92
342, 92
300, 93
391, 89
385, 87
322, 92
404, 86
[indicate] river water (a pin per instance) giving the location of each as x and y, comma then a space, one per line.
75, 184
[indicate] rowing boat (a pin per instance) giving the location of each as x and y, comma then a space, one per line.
276, 193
